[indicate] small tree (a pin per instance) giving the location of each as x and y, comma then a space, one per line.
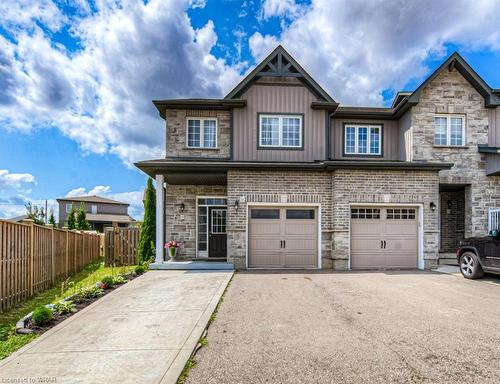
35, 213
81, 219
146, 247
71, 219
52, 219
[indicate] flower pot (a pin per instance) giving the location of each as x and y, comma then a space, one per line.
172, 252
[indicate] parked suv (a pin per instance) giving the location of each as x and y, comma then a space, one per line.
477, 255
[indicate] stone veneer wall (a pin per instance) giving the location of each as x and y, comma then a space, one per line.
449, 92
182, 225
376, 186
176, 134
275, 187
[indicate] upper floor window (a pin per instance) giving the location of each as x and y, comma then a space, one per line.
202, 133
93, 209
450, 130
362, 139
280, 131
68, 207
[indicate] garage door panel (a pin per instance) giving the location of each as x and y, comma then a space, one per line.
386, 239
288, 242
265, 259
300, 259
300, 228
261, 228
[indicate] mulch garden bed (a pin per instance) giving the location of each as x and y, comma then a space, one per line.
30, 327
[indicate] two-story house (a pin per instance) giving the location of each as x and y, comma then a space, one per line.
279, 175
101, 212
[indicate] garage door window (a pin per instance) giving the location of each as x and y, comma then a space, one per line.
265, 213
300, 214
401, 214
365, 213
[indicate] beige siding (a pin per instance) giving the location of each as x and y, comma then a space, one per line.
494, 127
390, 138
405, 136
278, 99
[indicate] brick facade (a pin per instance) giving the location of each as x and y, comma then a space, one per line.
176, 134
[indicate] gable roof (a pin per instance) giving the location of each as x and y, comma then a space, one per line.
279, 63
91, 199
458, 62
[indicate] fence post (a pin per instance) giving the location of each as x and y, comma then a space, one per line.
52, 254
67, 251
31, 223
74, 253
116, 244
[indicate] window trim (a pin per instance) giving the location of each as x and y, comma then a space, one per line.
357, 125
448, 117
202, 132
301, 116
92, 209
70, 205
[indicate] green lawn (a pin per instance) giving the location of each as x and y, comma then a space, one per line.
92, 273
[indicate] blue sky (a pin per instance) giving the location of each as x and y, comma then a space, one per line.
77, 78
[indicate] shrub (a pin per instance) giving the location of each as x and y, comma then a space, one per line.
88, 293
119, 279
139, 269
41, 315
108, 282
63, 307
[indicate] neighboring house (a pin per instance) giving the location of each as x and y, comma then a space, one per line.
279, 175
18, 219
101, 212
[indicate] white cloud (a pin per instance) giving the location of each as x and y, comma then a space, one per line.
282, 8
100, 96
355, 49
15, 180
81, 191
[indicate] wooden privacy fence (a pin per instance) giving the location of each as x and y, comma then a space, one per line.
33, 257
120, 246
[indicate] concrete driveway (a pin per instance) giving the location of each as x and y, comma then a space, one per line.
375, 327
143, 332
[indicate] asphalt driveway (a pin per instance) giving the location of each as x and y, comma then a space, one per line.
143, 332
375, 327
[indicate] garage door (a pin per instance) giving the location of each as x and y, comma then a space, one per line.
281, 237
384, 237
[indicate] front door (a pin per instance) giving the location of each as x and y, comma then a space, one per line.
217, 238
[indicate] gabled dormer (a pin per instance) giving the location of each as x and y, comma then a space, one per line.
286, 113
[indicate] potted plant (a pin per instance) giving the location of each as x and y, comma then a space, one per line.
172, 246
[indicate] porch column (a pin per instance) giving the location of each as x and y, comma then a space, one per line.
160, 219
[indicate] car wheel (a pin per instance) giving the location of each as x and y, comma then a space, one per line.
469, 266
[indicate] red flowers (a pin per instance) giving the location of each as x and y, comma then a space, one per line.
173, 244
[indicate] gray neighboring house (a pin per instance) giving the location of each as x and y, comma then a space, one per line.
277, 174
101, 212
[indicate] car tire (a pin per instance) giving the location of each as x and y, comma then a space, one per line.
470, 266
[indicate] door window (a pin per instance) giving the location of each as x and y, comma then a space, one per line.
300, 214
265, 214
365, 213
401, 214
218, 221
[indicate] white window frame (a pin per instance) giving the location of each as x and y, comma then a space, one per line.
448, 117
280, 130
368, 139
202, 132
68, 207
93, 209
492, 219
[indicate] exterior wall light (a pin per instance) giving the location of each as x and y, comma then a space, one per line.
183, 207
432, 206
450, 204
236, 204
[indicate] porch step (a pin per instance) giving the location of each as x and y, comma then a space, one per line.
447, 259
193, 266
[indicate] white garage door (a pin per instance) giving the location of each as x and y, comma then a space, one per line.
282, 237
384, 237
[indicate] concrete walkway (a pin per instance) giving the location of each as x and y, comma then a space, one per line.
143, 332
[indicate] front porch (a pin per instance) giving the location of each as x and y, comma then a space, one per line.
451, 221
